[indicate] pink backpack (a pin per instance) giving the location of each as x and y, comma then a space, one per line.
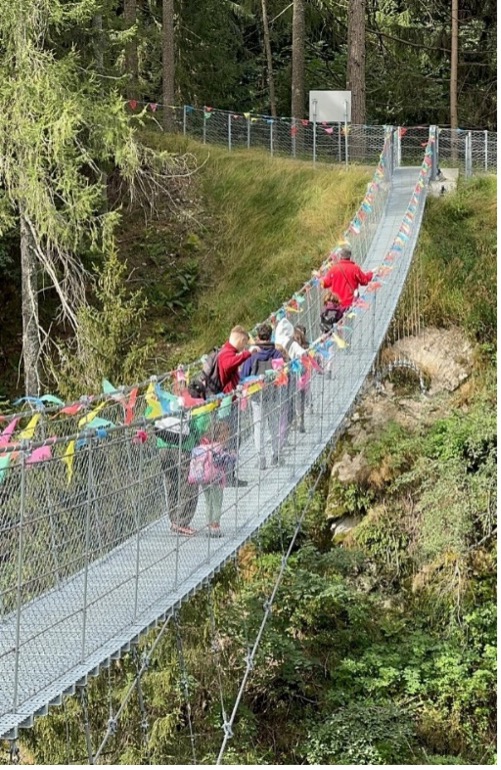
202, 470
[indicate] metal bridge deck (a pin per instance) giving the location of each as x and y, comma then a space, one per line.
119, 606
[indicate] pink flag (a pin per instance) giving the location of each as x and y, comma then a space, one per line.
6, 435
42, 453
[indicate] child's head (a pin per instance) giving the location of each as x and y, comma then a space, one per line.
300, 335
220, 431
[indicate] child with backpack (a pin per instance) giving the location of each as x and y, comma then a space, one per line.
211, 465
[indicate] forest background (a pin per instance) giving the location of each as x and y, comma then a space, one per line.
384, 649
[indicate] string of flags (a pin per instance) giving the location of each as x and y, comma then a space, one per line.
161, 402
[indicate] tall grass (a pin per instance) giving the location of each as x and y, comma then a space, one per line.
270, 221
457, 245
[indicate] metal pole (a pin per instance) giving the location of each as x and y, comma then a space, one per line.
178, 504
314, 130
294, 132
437, 143
434, 164
138, 521
236, 404
184, 120
248, 132
467, 154
229, 131
346, 132
271, 137
204, 129
486, 150
87, 543
19, 597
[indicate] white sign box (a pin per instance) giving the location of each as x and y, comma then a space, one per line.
330, 106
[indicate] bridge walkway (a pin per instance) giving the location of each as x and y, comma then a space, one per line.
138, 584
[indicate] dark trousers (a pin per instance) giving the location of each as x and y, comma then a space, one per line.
182, 496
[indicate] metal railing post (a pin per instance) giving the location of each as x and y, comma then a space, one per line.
139, 497
486, 150
19, 590
229, 132
314, 131
434, 161
204, 129
184, 120
248, 132
236, 404
177, 523
346, 133
271, 136
87, 546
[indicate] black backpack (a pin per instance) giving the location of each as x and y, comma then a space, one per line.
209, 382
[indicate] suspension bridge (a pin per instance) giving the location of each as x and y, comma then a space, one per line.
88, 559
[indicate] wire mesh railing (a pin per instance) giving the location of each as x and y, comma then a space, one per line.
284, 136
95, 529
471, 152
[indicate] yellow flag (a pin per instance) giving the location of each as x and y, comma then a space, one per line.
154, 408
89, 417
247, 115
254, 388
205, 408
339, 342
28, 432
68, 458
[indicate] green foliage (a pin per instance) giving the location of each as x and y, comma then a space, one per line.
362, 733
110, 341
459, 271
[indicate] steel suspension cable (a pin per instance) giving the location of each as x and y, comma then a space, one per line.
228, 728
185, 684
133, 685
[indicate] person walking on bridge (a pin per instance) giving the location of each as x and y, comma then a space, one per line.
231, 356
265, 406
229, 359
342, 281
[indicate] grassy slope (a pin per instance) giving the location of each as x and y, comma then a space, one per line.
261, 224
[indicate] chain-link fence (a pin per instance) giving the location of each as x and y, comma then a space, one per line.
103, 526
471, 152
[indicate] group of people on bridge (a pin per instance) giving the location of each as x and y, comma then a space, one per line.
202, 453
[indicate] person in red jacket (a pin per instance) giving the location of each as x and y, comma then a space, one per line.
344, 278
231, 355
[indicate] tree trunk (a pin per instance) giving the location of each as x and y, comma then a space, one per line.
131, 66
97, 23
29, 310
168, 64
269, 59
454, 81
355, 74
454, 65
298, 35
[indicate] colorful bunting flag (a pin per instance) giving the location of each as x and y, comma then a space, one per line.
68, 459
6, 434
4, 464
28, 432
40, 454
